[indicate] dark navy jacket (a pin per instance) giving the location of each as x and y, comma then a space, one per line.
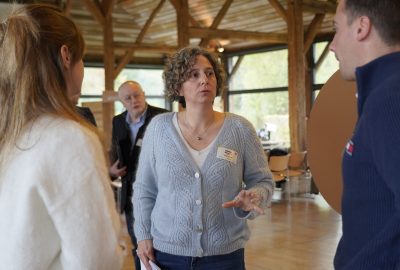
371, 172
121, 148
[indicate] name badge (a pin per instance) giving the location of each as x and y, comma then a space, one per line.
227, 154
139, 142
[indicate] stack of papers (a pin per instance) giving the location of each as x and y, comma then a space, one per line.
152, 264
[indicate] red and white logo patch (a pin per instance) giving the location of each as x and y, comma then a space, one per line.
350, 147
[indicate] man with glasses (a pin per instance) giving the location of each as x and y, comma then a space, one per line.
127, 135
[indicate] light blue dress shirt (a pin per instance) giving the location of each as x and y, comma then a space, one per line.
134, 127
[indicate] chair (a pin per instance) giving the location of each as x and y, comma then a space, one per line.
279, 166
297, 164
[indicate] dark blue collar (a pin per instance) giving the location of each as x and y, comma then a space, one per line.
370, 76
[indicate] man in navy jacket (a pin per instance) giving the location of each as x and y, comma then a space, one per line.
367, 46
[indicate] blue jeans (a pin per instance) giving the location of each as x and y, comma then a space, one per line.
231, 261
129, 223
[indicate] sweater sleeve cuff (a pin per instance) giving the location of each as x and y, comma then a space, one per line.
241, 214
144, 236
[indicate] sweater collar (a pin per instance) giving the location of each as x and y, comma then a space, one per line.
370, 76
181, 147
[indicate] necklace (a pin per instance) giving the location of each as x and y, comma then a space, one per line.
199, 137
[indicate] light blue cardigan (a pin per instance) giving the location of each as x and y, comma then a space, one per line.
178, 205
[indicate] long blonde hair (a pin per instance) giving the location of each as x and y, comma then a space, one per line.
31, 69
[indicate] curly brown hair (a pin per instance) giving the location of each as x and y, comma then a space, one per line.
178, 66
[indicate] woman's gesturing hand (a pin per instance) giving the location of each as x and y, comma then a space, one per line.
246, 200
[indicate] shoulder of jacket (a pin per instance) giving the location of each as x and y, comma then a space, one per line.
155, 110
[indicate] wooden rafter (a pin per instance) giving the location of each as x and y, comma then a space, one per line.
148, 22
144, 47
312, 31
236, 66
217, 20
128, 55
231, 34
95, 10
279, 9
192, 21
316, 6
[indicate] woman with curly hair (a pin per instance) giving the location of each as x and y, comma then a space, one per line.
194, 166
56, 205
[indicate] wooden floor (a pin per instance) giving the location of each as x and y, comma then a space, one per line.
297, 233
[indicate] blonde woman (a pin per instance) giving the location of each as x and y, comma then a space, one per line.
56, 205
194, 166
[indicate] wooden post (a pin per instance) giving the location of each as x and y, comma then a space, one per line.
309, 78
109, 65
182, 25
182, 21
297, 89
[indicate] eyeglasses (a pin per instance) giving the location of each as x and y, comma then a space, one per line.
130, 98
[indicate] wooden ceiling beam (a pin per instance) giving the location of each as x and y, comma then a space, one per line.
322, 57
236, 67
127, 57
312, 31
145, 47
95, 10
107, 7
315, 6
95, 59
279, 9
196, 32
147, 61
149, 22
217, 20
192, 21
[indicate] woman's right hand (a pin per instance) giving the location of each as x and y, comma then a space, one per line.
145, 252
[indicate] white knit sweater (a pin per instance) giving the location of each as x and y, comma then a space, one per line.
179, 205
56, 206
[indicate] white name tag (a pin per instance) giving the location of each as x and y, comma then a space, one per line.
227, 154
139, 142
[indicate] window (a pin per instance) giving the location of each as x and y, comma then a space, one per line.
258, 92
260, 71
268, 111
152, 84
150, 79
328, 66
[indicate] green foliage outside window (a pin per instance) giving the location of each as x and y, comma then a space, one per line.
329, 66
263, 109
